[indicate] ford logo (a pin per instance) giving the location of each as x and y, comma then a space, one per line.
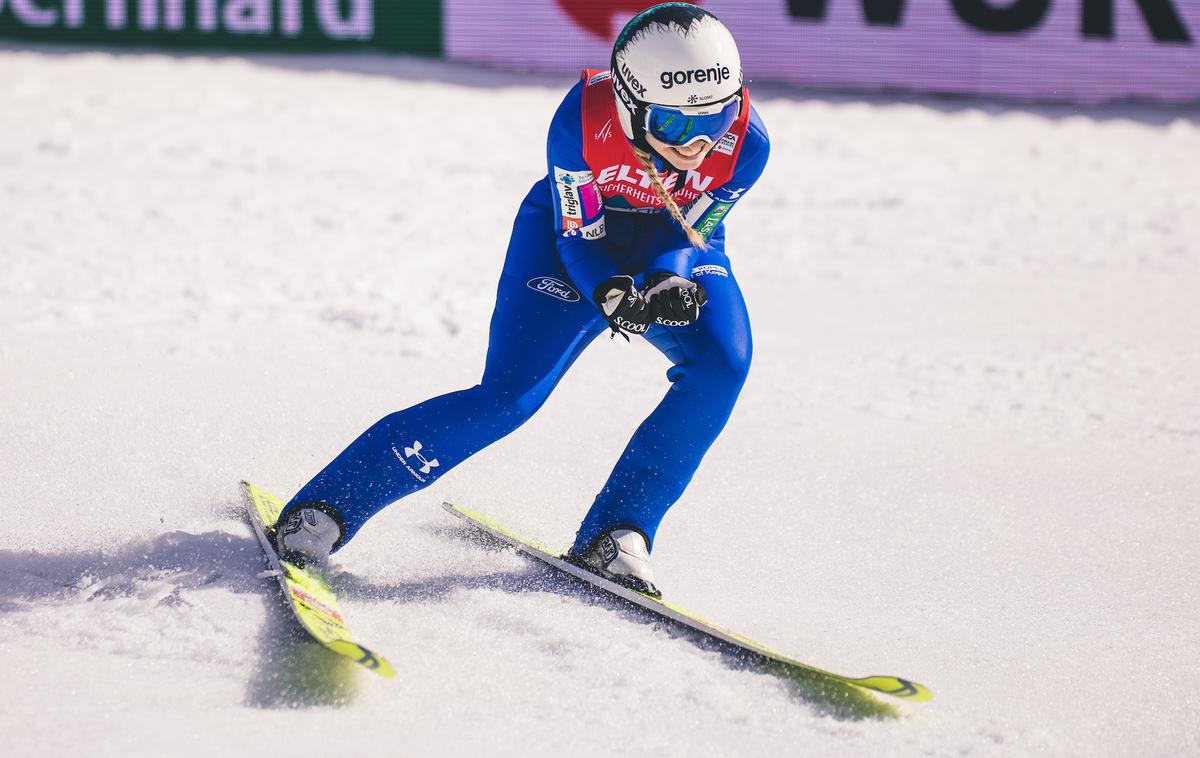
548, 285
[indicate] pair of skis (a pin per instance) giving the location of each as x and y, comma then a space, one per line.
312, 600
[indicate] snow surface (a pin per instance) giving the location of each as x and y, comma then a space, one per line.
968, 451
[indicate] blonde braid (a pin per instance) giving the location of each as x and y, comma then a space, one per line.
695, 237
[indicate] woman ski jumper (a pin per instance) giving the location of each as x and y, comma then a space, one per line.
625, 233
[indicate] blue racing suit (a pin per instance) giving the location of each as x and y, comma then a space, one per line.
543, 319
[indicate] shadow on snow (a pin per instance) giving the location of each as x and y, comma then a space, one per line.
828, 697
291, 670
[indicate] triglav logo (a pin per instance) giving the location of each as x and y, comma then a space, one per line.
425, 464
548, 285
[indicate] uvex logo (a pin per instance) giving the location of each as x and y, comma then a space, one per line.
633, 81
548, 285
717, 74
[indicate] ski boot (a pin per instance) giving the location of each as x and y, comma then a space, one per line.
306, 536
620, 555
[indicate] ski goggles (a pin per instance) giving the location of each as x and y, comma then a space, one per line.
681, 126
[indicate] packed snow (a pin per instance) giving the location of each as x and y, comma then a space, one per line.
968, 451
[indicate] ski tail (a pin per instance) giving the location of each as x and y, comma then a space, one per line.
896, 687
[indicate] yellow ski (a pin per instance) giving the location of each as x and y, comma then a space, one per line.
306, 590
846, 693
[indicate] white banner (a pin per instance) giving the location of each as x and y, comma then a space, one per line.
1075, 50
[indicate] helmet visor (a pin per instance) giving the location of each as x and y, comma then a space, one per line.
679, 126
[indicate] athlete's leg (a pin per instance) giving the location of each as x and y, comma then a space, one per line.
539, 327
711, 357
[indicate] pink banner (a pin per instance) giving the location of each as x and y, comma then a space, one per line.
1082, 51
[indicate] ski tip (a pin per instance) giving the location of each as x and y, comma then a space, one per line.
896, 687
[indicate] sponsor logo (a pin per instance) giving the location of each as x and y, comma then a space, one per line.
669, 322
634, 210
717, 74
623, 93
605, 131
709, 269
570, 205
597, 78
598, 17
726, 144
629, 326
593, 201
555, 288
424, 465
564, 176
633, 81
571, 233
310, 602
291, 525
713, 217
1096, 17
594, 231
608, 549
623, 174
568, 192
353, 20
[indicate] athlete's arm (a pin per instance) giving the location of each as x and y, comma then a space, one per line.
578, 205
707, 212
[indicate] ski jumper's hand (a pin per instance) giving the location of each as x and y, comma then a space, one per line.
673, 300
626, 310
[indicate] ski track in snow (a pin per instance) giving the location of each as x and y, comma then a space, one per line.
967, 452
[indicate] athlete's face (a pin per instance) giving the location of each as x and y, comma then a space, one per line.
683, 158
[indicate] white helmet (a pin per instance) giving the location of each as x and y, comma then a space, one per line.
678, 56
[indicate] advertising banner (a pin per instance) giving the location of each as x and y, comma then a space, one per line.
411, 26
1067, 50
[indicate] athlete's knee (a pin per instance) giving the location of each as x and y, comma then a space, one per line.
723, 372
737, 360
511, 404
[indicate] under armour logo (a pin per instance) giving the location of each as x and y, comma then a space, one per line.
415, 452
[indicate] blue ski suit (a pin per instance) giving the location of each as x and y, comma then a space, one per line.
543, 319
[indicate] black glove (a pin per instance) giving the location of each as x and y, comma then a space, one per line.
674, 301
624, 307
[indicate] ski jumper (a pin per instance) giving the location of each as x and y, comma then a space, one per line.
594, 215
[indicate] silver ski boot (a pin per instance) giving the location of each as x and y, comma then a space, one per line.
620, 555
306, 537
